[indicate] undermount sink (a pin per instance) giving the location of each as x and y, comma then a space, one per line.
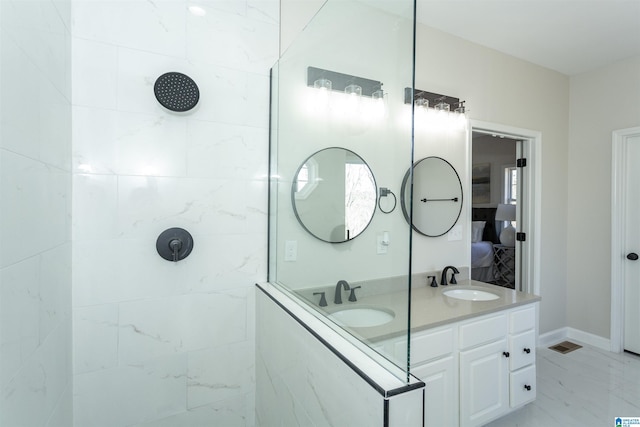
471, 294
361, 317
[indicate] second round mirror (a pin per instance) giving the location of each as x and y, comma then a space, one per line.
437, 196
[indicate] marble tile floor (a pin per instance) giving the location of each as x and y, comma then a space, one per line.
586, 387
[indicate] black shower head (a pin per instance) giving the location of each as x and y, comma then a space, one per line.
176, 91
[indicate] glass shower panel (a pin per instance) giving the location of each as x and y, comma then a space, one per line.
341, 143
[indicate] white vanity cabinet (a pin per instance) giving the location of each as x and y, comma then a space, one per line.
484, 370
474, 370
497, 364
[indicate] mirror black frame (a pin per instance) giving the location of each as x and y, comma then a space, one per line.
404, 202
294, 185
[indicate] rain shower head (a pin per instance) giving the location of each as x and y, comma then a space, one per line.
176, 91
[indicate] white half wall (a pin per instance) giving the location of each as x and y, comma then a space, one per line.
305, 374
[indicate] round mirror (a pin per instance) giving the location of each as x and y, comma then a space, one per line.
437, 196
334, 195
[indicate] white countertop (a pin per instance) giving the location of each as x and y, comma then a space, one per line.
430, 308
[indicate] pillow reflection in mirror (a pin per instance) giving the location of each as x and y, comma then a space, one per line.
477, 229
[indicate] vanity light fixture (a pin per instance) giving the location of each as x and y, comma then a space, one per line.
351, 85
322, 84
425, 99
422, 102
441, 105
353, 89
376, 110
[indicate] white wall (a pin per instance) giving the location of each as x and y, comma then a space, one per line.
294, 16
157, 342
602, 101
502, 89
35, 184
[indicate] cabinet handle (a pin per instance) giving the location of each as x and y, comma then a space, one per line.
527, 387
505, 353
527, 350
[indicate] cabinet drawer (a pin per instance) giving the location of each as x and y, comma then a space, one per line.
483, 331
522, 350
427, 345
522, 320
522, 385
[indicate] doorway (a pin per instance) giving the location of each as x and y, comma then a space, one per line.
513, 184
625, 242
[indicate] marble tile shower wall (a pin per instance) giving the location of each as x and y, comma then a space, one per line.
35, 207
155, 342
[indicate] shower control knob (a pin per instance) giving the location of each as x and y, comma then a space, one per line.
632, 256
174, 244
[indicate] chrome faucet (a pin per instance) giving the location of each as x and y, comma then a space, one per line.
339, 286
443, 280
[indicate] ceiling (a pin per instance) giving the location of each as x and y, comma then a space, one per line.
569, 36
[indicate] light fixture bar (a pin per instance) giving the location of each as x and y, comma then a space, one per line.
340, 81
433, 98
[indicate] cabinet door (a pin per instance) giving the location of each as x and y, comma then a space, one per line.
441, 396
484, 383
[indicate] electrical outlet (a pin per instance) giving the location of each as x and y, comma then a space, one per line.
291, 250
383, 245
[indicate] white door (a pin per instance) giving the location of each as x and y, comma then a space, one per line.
632, 245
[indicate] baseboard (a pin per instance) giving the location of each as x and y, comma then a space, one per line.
554, 337
588, 338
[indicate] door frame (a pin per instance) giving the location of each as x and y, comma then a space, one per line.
618, 187
532, 151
